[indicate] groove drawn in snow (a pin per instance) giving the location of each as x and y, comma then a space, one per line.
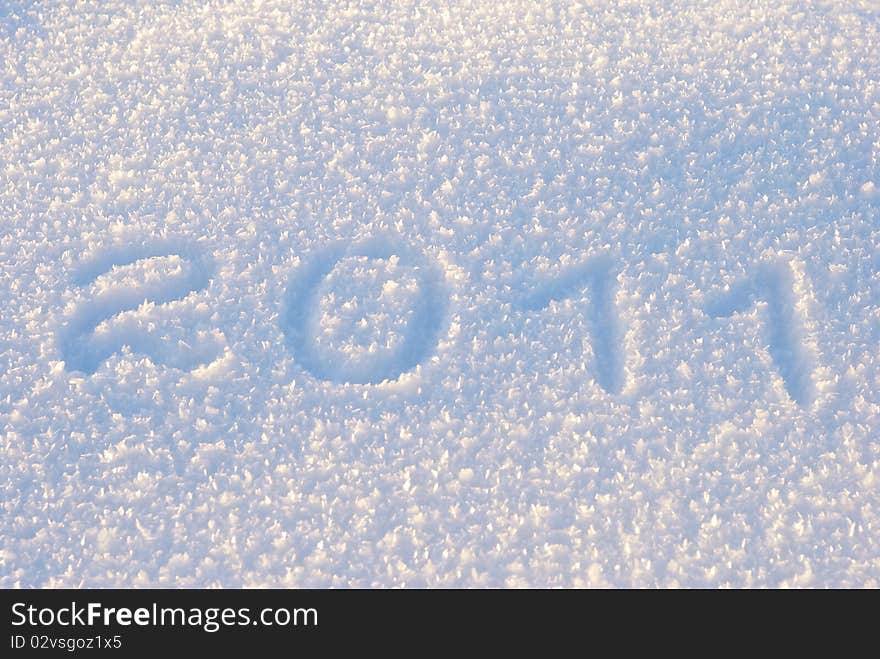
101, 326
103, 262
773, 282
363, 313
597, 276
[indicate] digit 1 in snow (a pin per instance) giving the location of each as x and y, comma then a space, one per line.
773, 283
598, 278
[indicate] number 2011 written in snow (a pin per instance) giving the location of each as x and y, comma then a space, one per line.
102, 325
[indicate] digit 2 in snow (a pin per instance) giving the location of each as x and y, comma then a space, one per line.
98, 327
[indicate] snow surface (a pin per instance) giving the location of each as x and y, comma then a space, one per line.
461, 293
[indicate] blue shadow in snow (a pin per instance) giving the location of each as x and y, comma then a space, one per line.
597, 276
421, 334
82, 350
774, 283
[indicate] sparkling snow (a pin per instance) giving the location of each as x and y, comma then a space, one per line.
464, 293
